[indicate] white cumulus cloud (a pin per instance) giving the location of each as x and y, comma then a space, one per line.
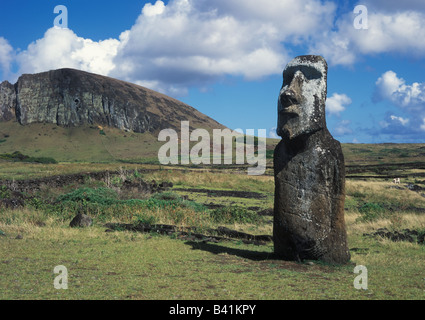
62, 48
398, 31
337, 103
411, 97
150, 10
6, 56
401, 120
193, 42
394, 5
343, 128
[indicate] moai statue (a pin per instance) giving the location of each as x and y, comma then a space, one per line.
309, 170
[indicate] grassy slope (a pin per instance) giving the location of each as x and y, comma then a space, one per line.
387, 153
134, 266
88, 145
125, 265
77, 144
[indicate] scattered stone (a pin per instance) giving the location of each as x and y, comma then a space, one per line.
40, 224
81, 221
309, 170
19, 237
414, 187
266, 212
223, 231
360, 250
166, 185
19, 188
227, 193
191, 234
13, 199
412, 236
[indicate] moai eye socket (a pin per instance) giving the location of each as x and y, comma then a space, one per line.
309, 73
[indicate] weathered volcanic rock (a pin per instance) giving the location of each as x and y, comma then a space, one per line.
309, 170
7, 101
72, 98
81, 221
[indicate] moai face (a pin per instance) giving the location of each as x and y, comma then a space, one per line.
301, 106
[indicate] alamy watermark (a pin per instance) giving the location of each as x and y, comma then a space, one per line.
361, 281
217, 149
61, 21
361, 20
61, 281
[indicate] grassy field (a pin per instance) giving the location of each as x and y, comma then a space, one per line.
122, 265
82, 144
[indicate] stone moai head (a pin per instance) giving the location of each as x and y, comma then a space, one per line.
301, 106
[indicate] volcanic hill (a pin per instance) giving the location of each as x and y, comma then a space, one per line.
72, 98
60, 113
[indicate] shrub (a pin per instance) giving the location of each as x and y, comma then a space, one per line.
103, 196
147, 219
5, 193
233, 214
358, 194
104, 203
173, 200
371, 211
167, 196
44, 160
269, 154
18, 156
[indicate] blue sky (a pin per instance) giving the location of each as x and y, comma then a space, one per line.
225, 58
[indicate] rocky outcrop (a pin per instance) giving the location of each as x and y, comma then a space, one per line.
7, 101
81, 221
72, 98
309, 170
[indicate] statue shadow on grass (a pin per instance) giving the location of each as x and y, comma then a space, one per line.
243, 253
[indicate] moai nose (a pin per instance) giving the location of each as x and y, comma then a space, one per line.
289, 97
292, 95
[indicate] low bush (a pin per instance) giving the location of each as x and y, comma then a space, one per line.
18, 156
233, 214
104, 203
371, 211
146, 218
5, 193
103, 196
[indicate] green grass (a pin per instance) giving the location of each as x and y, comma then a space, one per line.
130, 266
234, 214
371, 211
19, 157
83, 144
125, 265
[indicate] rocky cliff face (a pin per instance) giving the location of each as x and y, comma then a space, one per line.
7, 101
72, 98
